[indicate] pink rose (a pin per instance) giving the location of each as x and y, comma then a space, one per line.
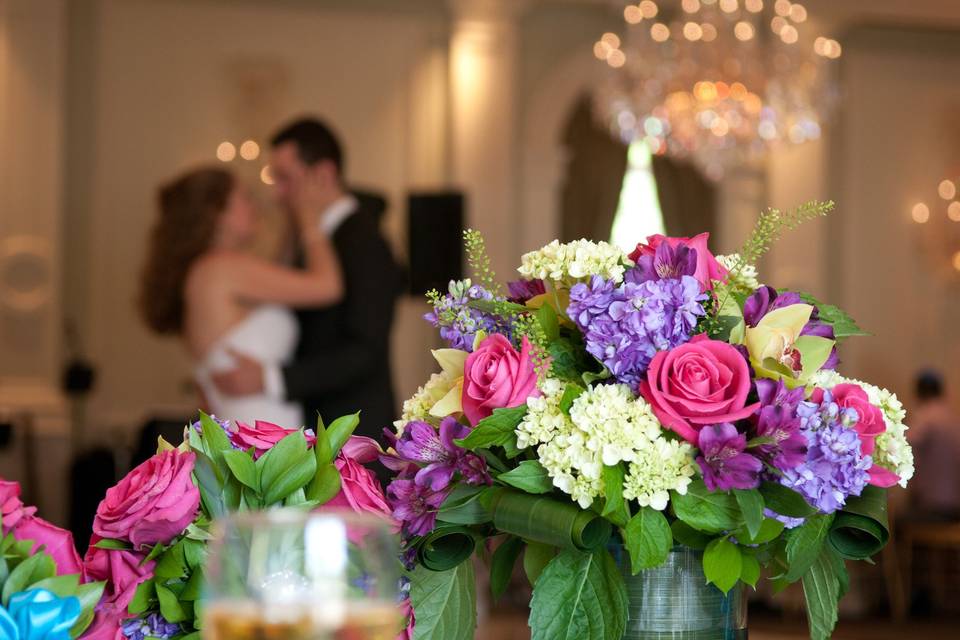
263, 435
153, 504
359, 489
56, 541
406, 608
11, 508
123, 572
495, 376
708, 269
105, 626
698, 383
870, 424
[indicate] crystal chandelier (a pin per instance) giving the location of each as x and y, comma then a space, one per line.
718, 81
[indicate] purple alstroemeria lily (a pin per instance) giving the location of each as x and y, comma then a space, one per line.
667, 263
723, 461
423, 444
415, 505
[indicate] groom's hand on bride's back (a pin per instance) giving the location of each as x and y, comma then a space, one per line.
246, 378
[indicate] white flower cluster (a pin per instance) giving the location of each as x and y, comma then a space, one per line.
418, 407
893, 451
607, 425
746, 278
574, 261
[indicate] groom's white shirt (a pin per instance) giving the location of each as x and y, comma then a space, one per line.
330, 220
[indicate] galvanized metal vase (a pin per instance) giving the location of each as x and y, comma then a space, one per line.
674, 601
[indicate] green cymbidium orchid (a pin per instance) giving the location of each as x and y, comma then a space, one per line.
778, 351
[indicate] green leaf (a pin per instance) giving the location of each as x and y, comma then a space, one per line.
170, 606
446, 547
37, 567
192, 588
340, 431
648, 538
705, 510
472, 512
722, 564
197, 533
89, 595
570, 393
242, 467
530, 476
805, 543
749, 569
210, 486
63, 586
615, 508
536, 557
109, 543
142, 596
860, 529
322, 450
285, 468
823, 586
770, 529
325, 484
785, 501
171, 564
501, 567
215, 440
547, 317
579, 596
445, 603
843, 325
194, 553
155, 552
497, 429
751, 506
688, 536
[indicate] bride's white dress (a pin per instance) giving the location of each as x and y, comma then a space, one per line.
268, 334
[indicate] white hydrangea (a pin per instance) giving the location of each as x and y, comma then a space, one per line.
418, 406
607, 425
667, 465
574, 261
892, 451
746, 278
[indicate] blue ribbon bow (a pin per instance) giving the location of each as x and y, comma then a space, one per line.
38, 614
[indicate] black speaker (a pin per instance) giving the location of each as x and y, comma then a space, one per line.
435, 233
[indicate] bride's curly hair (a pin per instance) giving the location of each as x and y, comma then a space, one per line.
190, 207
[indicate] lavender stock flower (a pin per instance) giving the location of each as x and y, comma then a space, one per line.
625, 326
153, 626
723, 461
458, 322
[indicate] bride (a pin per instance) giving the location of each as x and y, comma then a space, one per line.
201, 284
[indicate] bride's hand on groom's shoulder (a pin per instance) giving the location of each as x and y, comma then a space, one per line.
246, 377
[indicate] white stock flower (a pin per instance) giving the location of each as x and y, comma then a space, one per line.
607, 425
574, 261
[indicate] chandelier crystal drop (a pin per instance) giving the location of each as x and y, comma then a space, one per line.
716, 81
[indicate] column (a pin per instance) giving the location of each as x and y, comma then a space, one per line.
484, 60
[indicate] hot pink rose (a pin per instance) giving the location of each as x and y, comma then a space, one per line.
698, 383
11, 508
263, 435
870, 424
154, 503
708, 269
495, 376
359, 489
56, 541
123, 572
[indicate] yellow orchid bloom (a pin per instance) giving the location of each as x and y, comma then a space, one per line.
451, 363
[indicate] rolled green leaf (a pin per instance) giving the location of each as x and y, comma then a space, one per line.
446, 547
860, 530
549, 521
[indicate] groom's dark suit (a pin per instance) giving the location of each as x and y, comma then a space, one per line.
342, 364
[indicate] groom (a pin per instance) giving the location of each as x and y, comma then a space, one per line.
342, 363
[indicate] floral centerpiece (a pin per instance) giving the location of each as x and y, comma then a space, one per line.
606, 409
43, 592
150, 531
